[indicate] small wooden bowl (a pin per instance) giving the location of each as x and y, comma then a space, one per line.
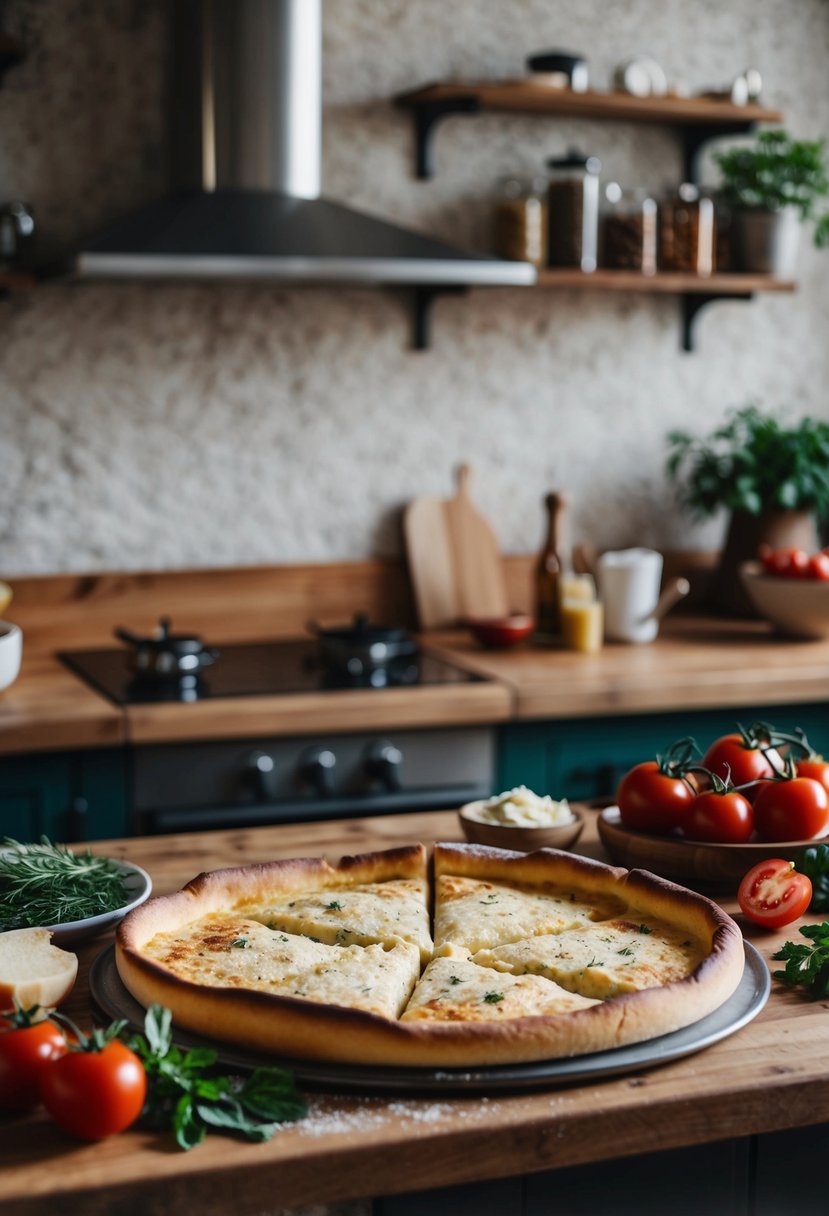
521, 840
499, 633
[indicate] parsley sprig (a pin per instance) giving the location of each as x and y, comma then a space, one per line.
183, 1090
807, 965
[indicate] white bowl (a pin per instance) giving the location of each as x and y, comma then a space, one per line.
139, 886
795, 606
11, 652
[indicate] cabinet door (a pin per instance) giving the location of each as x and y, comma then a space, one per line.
586, 757
67, 796
35, 793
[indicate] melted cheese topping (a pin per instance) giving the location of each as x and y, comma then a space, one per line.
233, 952
386, 912
603, 960
479, 915
453, 989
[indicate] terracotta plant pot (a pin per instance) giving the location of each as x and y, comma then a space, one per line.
780, 529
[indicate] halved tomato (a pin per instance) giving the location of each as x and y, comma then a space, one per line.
774, 894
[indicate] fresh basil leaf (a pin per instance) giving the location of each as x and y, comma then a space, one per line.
189, 1132
158, 1023
271, 1093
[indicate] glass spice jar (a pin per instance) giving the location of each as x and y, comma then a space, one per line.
520, 220
629, 230
687, 231
573, 211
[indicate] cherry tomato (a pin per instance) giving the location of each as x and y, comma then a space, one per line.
819, 567
95, 1093
25, 1050
773, 894
815, 767
746, 763
651, 800
721, 818
790, 563
795, 808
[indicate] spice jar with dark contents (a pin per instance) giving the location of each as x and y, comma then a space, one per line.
520, 220
629, 230
573, 211
686, 232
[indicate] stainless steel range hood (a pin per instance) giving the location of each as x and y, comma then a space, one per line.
245, 142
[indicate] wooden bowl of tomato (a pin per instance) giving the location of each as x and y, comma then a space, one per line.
794, 596
694, 863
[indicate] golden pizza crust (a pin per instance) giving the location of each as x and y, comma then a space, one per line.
314, 1000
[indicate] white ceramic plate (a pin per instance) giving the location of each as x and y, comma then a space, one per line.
138, 885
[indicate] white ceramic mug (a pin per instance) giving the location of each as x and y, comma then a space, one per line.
11, 652
629, 582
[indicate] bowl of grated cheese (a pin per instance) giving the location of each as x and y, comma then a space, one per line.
521, 820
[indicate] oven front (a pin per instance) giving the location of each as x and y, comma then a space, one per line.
247, 782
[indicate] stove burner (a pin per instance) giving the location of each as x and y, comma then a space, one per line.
177, 658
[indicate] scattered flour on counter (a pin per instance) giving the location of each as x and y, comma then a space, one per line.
370, 1114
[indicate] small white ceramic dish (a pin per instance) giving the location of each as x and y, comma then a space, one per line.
138, 884
11, 652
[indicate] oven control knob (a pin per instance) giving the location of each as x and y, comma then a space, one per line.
259, 767
382, 763
316, 767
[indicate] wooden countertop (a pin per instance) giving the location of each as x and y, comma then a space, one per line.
768, 1076
697, 662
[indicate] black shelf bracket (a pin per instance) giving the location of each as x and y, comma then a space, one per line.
11, 53
427, 114
692, 303
695, 136
424, 297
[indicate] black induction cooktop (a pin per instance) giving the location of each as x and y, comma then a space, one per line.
249, 669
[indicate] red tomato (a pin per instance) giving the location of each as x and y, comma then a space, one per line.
650, 800
819, 567
93, 1094
745, 762
791, 563
774, 894
725, 818
796, 808
24, 1053
815, 767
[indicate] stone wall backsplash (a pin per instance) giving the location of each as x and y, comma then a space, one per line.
159, 426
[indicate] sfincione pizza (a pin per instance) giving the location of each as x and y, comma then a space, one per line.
486, 957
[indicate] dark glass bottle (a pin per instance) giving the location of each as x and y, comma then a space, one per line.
549, 569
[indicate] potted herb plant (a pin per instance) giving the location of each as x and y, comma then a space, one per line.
773, 186
773, 478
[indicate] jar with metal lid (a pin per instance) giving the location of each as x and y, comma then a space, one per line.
573, 211
520, 220
687, 231
629, 230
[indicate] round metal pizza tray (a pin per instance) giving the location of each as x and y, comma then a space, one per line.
114, 1001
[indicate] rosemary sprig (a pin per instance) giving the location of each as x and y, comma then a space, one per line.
48, 884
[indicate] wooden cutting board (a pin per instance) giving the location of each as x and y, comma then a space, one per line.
455, 565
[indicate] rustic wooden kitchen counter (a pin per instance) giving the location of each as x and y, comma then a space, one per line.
770, 1075
697, 662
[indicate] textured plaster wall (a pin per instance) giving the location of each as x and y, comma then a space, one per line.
166, 426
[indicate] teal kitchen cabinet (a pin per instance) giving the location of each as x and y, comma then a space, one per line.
581, 758
63, 795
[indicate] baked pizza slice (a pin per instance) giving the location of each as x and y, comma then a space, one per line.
453, 989
228, 951
478, 912
384, 912
604, 960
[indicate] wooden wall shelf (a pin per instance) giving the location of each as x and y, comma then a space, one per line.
694, 291
698, 119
